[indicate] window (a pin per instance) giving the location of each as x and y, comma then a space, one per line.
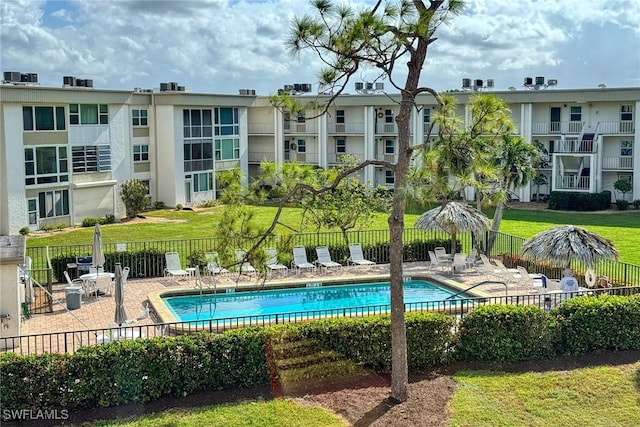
626, 113
389, 146
576, 113
626, 148
198, 155
197, 123
227, 149
226, 121
301, 117
91, 158
32, 211
302, 146
388, 177
139, 118
45, 165
43, 118
88, 114
388, 116
53, 203
203, 181
625, 177
426, 115
341, 146
147, 183
141, 153
340, 116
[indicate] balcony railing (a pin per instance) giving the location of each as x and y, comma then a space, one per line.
617, 162
382, 128
616, 127
307, 158
296, 127
573, 182
346, 128
336, 157
387, 157
434, 131
551, 128
261, 128
259, 156
575, 146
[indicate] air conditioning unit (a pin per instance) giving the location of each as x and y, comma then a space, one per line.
528, 81
24, 78
379, 86
359, 86
88, 82
12, 76
243, 92
79, 82
306, 87
251, 91
173, 85
297, 87
288, 88
552, 82
164, 87
540, 81
489, 82
181, 88
69, 80
466, 83
478, 83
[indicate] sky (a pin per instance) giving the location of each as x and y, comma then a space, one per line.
222, 46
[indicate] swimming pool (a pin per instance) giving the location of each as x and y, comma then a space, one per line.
321, 300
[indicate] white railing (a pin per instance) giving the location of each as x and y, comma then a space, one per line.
434, 131
617, 162
307, 158
616, 127
295, 127
261, 128
573, 182
549, 128
337, 157
386, 157
575, 146
346, 128
386, 128
259, 156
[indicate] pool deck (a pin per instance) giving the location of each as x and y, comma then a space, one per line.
97, 313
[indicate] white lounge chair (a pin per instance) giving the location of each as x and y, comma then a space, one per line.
459, 263
245, 267
272, 263
173, 267
437, 262
357, 257
491, 269
324, 259
213, 265
300, 261
531, 280
77, 282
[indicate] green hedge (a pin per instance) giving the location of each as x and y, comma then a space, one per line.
573, 201
368, 340
122, 372
504, 333
589, 324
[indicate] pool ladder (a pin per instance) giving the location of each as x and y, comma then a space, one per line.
485, 282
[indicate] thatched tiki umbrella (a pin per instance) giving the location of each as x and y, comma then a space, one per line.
565, 244
453, 217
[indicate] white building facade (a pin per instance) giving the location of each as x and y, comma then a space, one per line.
65, 151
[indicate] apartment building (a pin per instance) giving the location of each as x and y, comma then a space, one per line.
64, 151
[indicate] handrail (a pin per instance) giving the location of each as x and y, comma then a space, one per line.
484, 282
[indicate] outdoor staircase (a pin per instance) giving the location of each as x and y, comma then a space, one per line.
296, 364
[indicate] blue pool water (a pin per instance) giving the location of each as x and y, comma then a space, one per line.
314, 298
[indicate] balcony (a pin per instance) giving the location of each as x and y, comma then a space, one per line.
556, 128
575, 146
434, 131
259, 156
346, 128
617, 163
305, 158
300, 127
572, 182
386, 128
335, 158
387, 157
261, 128
616, 127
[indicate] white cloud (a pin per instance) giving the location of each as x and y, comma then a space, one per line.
220, 46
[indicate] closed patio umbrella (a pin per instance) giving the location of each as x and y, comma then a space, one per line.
97, 259
453, 217
565, 244
121, 314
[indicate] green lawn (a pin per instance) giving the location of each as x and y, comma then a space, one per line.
623, 228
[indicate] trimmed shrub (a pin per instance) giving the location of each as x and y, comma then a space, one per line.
570, 201
141, 370
504, 333
24, 231
591, 324
622, 205
636, 204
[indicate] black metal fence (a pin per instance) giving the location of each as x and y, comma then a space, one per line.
69, 342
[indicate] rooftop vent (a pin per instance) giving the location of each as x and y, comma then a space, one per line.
72, 81
18, 78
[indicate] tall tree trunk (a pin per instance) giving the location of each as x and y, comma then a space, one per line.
495, 226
